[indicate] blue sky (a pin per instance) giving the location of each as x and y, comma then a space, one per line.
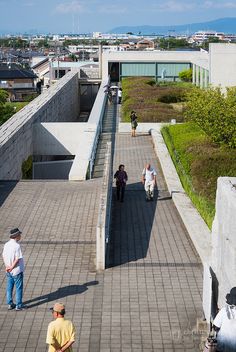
72, 16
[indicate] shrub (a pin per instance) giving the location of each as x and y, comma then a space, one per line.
27, 168
172, 96
186, 75
215, 112
6, 112
199, 162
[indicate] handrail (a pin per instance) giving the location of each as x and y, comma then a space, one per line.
95, 143
103, 224
102, 99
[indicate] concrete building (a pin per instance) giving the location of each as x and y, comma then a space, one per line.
160, 65
59, 68
215, 68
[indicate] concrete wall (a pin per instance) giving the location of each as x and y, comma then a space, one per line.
59, 103
61, 138
89, 72
222, 62
224, 236
53, 170
153, 56
87, 146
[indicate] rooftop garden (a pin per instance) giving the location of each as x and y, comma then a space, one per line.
203, 146
153, 102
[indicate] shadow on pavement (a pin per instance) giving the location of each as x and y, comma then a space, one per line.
131, 226
6, 187
60, 293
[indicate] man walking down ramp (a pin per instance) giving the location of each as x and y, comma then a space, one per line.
149, 181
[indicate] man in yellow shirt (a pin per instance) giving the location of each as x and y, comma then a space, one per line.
61, 332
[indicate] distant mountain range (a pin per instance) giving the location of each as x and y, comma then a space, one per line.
226, 25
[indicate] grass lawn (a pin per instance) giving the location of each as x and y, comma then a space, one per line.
153, 102
199, 162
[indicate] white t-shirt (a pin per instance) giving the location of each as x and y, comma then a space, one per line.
149, 174
11, 252
226, 321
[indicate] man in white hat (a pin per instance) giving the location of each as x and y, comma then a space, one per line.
61, 332
14, 267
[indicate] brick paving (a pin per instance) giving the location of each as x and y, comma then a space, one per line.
59, 221
148, 298
154, 284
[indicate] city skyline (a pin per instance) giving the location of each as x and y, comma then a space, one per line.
61, 16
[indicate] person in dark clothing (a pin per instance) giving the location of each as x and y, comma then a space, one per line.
121, 179
134, 123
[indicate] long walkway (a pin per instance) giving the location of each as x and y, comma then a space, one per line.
153, 265
147, 300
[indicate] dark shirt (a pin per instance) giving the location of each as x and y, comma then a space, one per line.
121, 178
133, 117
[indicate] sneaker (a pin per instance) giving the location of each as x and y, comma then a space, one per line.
23, 307
11, 306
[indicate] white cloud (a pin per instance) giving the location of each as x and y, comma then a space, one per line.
28, 4
174, 6
70, 7
219, 5
112, 9
184, 5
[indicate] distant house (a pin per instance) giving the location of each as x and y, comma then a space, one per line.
19, 82
40, 67
145, 44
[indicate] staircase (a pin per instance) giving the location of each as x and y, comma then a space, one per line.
107, 135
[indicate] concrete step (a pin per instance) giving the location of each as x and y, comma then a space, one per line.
97, 174
100, 154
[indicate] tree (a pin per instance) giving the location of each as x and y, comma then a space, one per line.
6, 111
3, 96
186, 75
73, 57
173, 43
215, 112
205, 44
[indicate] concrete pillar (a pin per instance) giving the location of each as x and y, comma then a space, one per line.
194, 74
206, 78
197, 76
100, 61
201, 77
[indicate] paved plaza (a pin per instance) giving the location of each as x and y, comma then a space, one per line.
149, 297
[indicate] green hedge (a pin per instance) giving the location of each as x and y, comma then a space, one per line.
215, 112
199, 162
